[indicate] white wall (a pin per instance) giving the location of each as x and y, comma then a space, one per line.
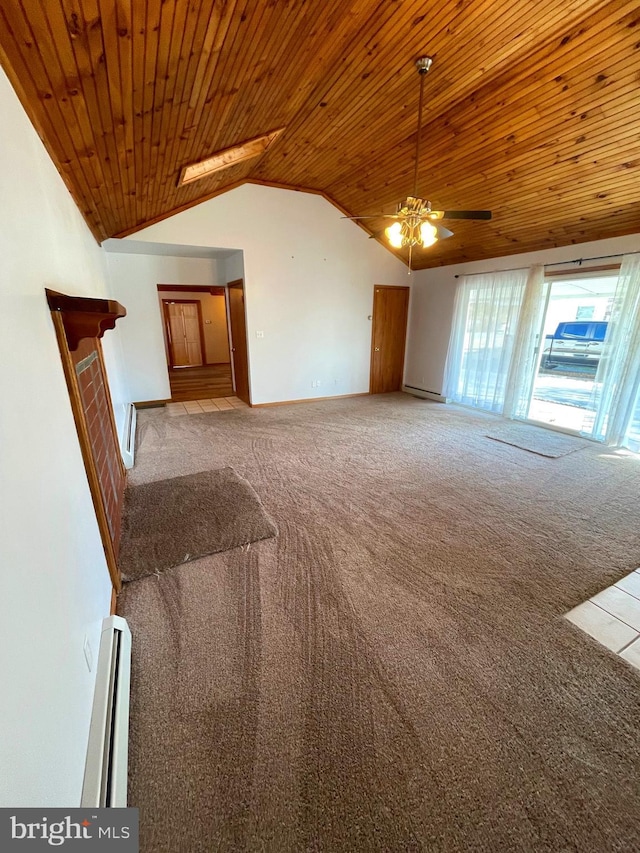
54, 580
234, 267
309, 278
133, 281
432, 300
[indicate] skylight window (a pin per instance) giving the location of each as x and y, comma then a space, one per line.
228, 157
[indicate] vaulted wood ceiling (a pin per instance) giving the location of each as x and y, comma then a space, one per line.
531, 108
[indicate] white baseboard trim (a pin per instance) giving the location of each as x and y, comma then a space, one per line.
308, 400
425, 395
128, 438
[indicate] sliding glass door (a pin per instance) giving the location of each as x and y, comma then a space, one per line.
563, 352
571, 345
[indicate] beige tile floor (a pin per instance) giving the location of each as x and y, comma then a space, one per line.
197, 407
613, 617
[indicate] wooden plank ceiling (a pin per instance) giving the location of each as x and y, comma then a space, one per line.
531, 109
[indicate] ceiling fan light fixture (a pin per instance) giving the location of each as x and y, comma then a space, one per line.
428, 234
412, 229
415, 234
394, 235
414, 217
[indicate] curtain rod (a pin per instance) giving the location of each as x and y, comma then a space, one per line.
578, 261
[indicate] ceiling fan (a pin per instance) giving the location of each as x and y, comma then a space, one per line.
416, 224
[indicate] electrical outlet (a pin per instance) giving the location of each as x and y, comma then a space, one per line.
313, 383
259, 334
317, 383
88, 652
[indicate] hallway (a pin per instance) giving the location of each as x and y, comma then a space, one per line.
197, 383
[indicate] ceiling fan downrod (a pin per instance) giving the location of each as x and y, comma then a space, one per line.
423, 64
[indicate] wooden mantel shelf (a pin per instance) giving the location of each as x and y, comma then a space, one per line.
84, 317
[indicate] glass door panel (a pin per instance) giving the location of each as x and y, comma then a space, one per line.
632, 438
572, 337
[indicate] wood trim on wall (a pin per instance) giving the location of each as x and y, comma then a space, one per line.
191, 288
87, 454
582, 270
127, 232
244, 395
84, 316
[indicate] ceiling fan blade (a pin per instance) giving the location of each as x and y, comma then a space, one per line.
443, 232
465, 214
374, 216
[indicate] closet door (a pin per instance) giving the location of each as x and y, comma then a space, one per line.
184, 332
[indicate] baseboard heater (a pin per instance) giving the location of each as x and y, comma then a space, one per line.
129, 436
105, 776
422, 392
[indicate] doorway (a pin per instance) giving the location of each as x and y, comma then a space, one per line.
199, 369
572, 344
388, 337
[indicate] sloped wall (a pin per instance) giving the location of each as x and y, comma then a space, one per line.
55, 585
309, 278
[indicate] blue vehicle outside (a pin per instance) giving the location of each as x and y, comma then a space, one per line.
576, 342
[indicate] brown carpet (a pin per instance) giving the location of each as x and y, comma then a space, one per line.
393, 672
544, 442
170, 522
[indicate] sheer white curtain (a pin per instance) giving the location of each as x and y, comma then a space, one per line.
486, 315
524, 358
618, 377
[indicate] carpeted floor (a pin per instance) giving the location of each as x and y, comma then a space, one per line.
535, 439
169, 522
392, 672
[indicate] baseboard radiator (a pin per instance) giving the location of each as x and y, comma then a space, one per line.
105, 776
424, 394
129, 436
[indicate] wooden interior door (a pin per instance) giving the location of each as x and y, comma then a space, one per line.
184, 332
388, 337
239, 339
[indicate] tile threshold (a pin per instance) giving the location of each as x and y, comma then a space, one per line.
205, 406
612, 617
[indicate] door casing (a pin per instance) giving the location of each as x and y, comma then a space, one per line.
239, 349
